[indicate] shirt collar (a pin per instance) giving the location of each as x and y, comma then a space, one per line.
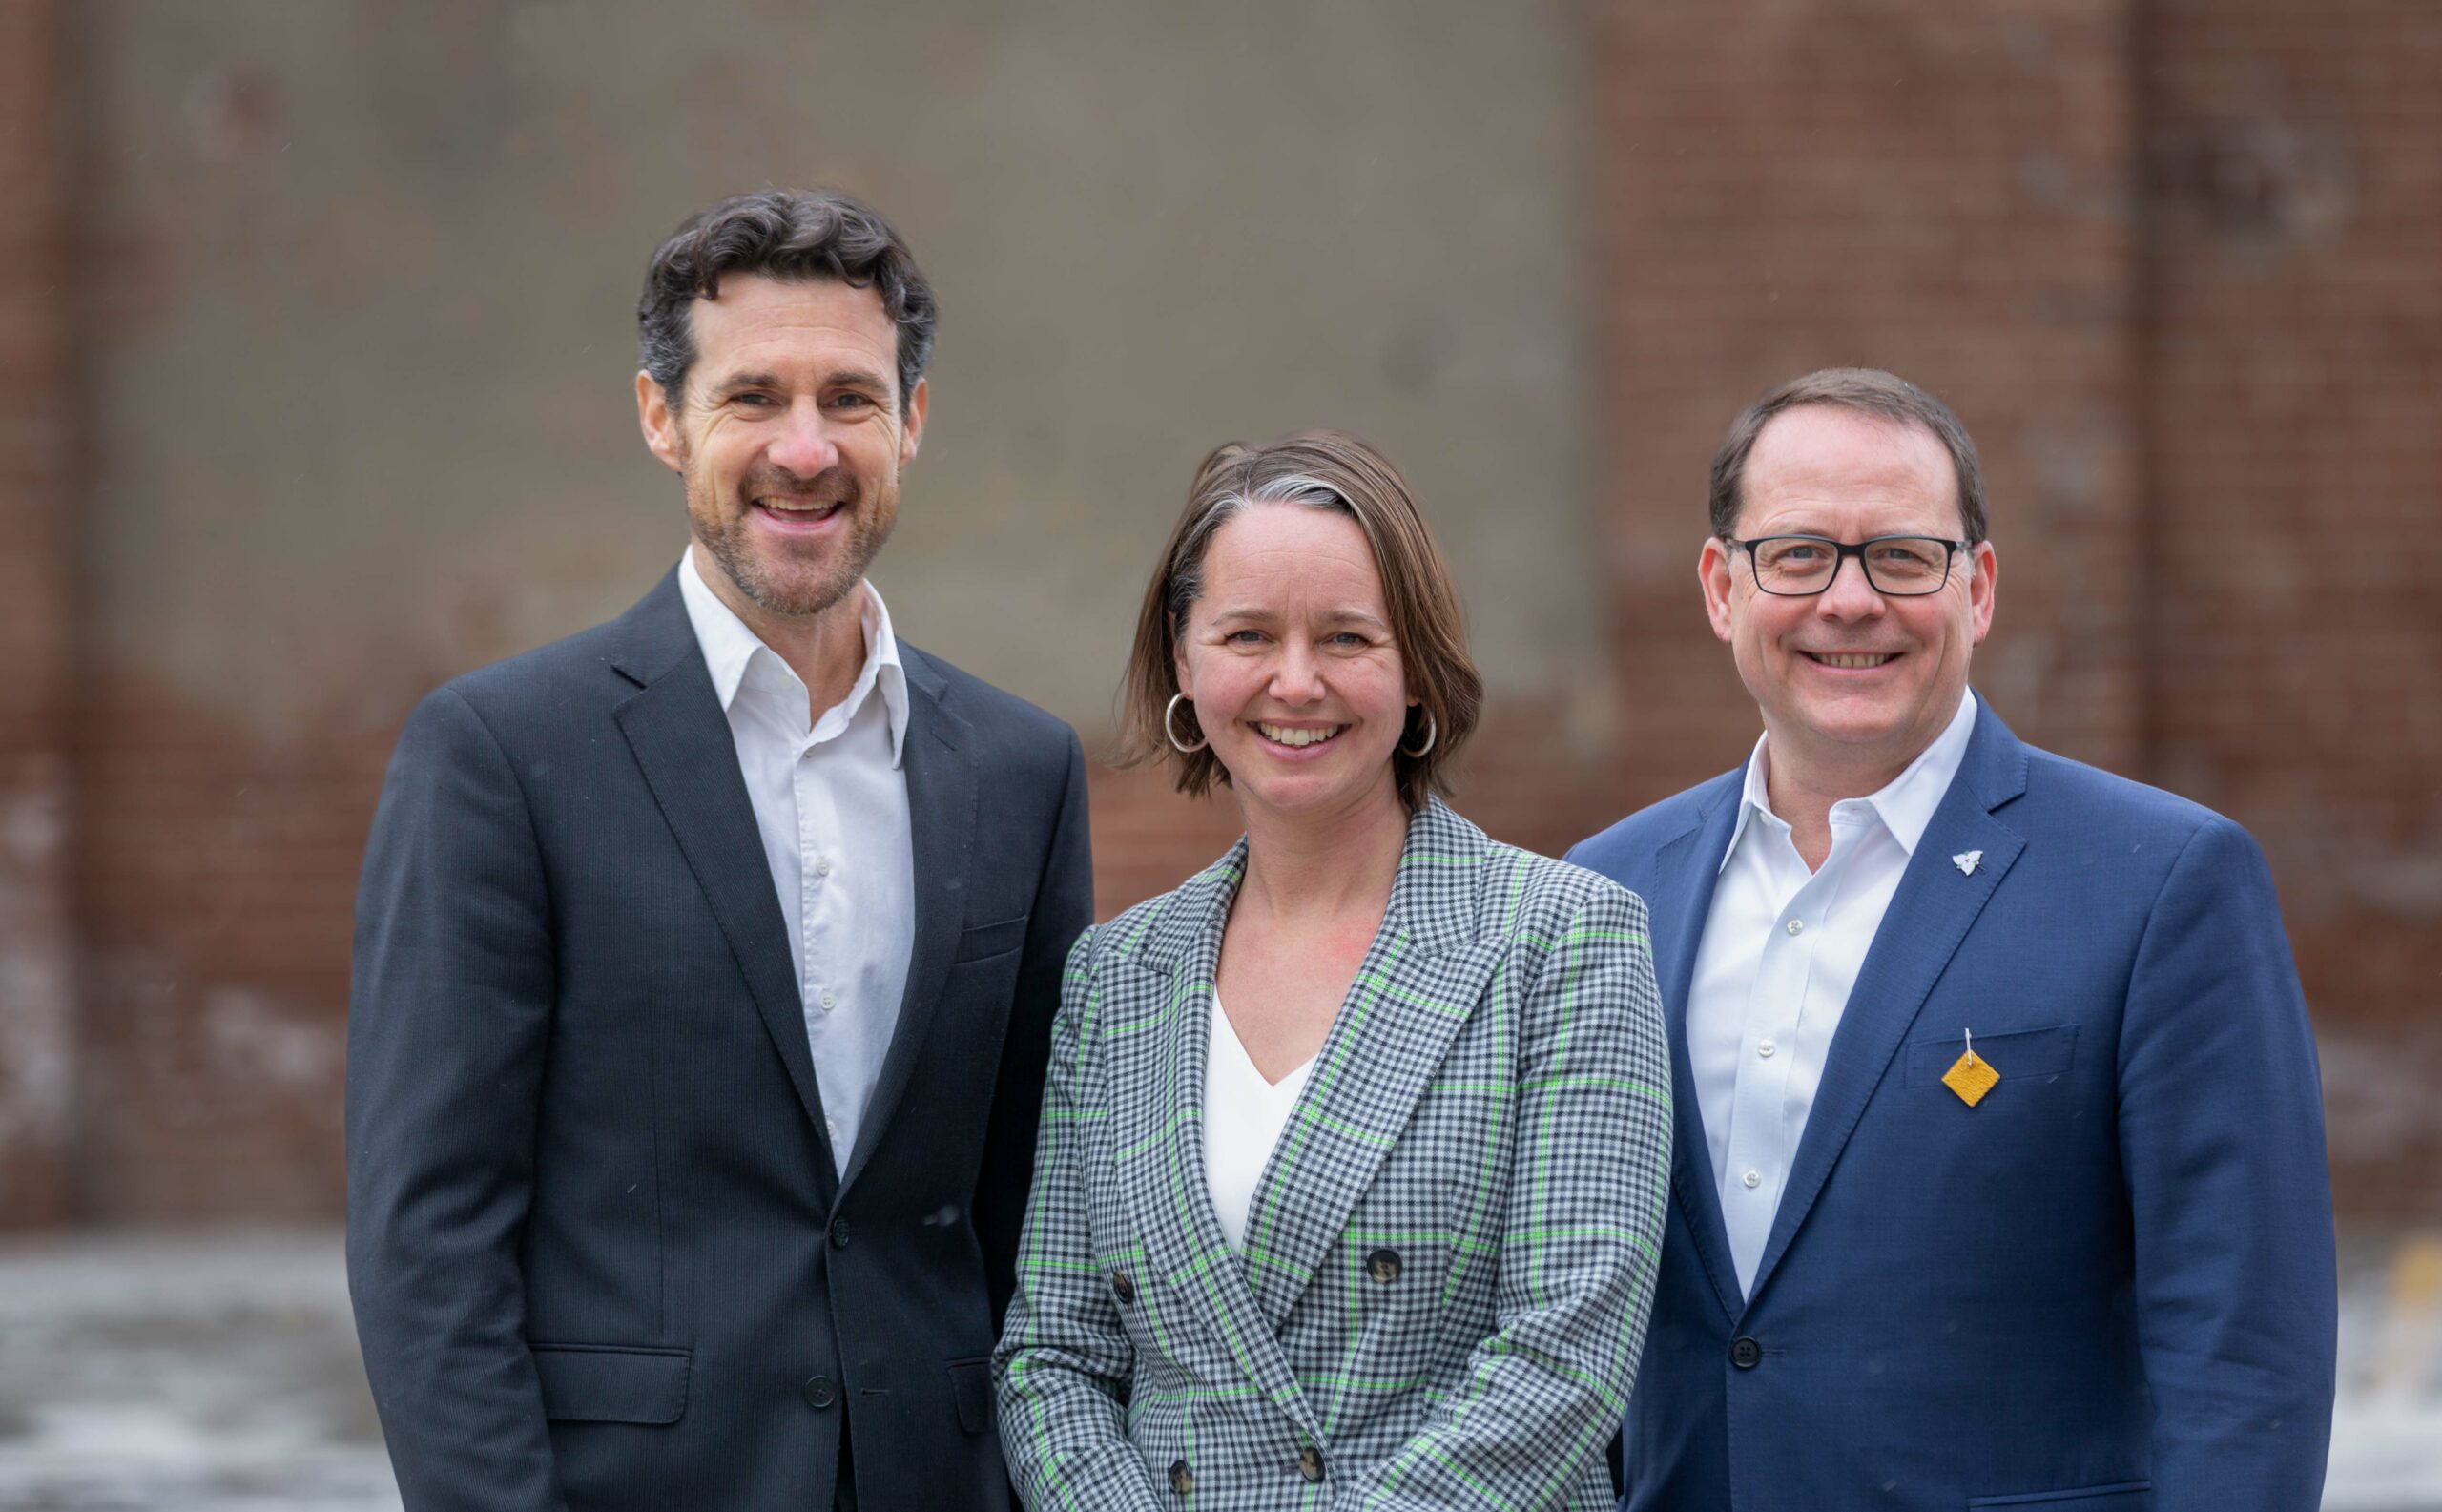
732, 649
1905, 804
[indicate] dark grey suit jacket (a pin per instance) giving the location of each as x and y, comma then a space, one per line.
599, 1254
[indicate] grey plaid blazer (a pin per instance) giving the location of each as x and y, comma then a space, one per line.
1449, 1259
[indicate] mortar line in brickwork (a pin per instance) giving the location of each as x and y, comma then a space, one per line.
2150, 514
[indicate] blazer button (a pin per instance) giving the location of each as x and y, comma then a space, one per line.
1181, 1480
1309, 1463
1745, 1353
838, 1233
818, 1393
1124, 1288
1383, 1266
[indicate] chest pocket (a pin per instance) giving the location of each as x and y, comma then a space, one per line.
2025, 1055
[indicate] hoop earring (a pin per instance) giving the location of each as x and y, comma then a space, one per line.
1172, 734
1431, 733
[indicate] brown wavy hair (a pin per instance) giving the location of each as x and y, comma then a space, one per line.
1322, 469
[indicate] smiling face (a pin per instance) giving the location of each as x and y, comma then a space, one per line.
789, 435
1289, 658
1853, 685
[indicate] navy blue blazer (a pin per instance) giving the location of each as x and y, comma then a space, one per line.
2107, 1286
602, 1253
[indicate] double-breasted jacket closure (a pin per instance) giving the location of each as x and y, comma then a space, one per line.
1448, 1262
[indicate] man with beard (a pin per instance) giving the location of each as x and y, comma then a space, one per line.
702, 995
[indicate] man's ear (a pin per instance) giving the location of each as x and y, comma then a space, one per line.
659, 423
912, 434
1981, 585
1713, 571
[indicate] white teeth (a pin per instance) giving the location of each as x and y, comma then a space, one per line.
1298, 737
1829, 660
785, 507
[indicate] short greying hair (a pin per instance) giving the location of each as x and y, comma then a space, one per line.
1869, 391
795, 235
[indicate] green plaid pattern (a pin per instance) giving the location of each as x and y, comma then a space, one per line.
1492, 1105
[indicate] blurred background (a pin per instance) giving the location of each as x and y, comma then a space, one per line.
316, 340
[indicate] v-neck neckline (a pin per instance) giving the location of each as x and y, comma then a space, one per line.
1294, 1078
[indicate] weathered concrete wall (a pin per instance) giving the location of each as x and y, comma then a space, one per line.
372, 273
363, 282
336, 406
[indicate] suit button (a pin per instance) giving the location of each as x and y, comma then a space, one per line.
1309, 1463
818, 1393
1383, 1266
838, 1233
1181, 1480
1123, 1288
1745, 1353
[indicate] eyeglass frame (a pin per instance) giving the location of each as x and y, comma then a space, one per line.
1843, 550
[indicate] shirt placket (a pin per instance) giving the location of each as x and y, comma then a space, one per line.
1758, 1162
817, 867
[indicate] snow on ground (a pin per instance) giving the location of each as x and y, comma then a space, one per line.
217, 1373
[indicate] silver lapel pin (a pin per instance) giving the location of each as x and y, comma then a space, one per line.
1965, 861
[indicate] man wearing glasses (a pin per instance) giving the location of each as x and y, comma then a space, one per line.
2000, 1168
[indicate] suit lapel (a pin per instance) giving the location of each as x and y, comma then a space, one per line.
1679, 896
1157, 1026
938, 763
681, 741
1419, 982
1931, 913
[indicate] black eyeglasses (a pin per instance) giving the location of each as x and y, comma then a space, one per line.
1896, 566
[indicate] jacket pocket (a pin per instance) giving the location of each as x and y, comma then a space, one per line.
2125, 1495
604, 1384
971, 1385
980, 940
2019, 1056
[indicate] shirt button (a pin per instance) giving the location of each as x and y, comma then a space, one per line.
1752, 1179
1309, 1463
1182, 1480
1766, 1049
822, 868
1797, 927
828, 1000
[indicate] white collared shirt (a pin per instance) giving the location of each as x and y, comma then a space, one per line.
1780, 952
831, 801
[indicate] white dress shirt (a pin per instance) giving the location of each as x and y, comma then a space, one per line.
831, 801
1780, 952
1243, 1117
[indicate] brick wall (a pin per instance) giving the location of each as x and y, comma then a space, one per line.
2172, 260
1888, 183
216, 888
36, 1044
2179, 267
2295, 298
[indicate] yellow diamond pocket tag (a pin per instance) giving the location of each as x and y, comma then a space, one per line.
1970, 1077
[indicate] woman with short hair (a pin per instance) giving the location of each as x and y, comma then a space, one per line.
1351, 1178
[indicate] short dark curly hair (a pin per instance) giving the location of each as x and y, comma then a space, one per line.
792, 235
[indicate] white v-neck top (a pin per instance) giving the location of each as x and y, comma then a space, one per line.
1243, 1117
